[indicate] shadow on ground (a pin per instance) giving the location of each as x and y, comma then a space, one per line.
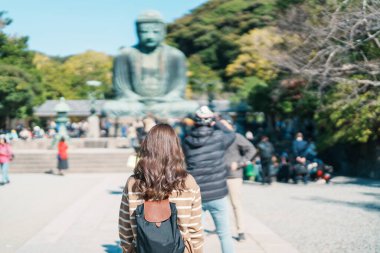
112, 248
371, 207
358, 181
115, 192
375, 195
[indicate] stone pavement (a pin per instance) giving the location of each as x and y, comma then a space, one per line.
78, 213
343, 216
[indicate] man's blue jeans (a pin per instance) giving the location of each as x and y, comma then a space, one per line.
4, 167
219, 213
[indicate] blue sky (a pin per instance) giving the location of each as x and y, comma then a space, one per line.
64, 27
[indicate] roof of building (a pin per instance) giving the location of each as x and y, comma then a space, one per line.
80, 108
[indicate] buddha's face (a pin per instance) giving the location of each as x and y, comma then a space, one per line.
151, 34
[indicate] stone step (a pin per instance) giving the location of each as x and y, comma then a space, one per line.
71, 159
76, 170
49, 166
80, 160
89, 161
41, 169
115, 161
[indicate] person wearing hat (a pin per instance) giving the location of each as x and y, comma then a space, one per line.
6, 156
205, 148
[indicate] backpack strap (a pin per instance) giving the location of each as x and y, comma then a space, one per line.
157, 211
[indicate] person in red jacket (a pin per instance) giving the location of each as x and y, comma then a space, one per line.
62, 156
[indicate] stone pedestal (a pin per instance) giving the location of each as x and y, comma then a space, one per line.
93, 126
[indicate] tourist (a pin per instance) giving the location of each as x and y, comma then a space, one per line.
25, 134
284, 171
149, 121
62, 156
106, 125
160, 175
132, 135
237, 156
249, 136
83, 128
266, 152
299, 146
51, 132
6, 157
204, 148
13, 135
124, 130
300, 149
139, 125
38, 132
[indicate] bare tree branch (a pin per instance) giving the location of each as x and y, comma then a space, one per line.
336, 50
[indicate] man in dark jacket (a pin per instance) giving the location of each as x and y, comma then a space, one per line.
299, 146
204, 150
299, 152
266, 151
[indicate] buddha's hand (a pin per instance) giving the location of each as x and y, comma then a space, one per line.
164, 99
131, 96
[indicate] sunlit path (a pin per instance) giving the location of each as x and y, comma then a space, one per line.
79, 213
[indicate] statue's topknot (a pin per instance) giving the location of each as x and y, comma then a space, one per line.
150, 16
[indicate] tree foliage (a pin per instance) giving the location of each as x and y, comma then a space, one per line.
20, 87
19, 90
339, 55
68, 77
201, 77
252, 61
28, 78
213, 30
304, 58
350, 120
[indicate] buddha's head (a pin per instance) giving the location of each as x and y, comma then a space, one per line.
151, 29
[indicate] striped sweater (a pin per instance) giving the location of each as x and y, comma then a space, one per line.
189, 208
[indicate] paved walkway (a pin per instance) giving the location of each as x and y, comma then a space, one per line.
343, 216
78, 213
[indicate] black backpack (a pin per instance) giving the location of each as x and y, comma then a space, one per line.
157, 229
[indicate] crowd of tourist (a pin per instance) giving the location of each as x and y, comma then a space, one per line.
217, 160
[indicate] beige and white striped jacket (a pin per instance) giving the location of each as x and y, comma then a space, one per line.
189, 208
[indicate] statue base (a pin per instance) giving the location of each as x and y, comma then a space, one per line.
170, 109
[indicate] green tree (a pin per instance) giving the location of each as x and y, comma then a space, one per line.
347, 118
55, 81
87, 66
68, 77
201, 77
213, 30
339, 55
253, 60
20, 86
18, 90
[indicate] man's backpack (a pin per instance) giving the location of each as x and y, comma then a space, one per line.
157, 228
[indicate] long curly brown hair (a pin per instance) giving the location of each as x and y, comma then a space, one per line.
161, 166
